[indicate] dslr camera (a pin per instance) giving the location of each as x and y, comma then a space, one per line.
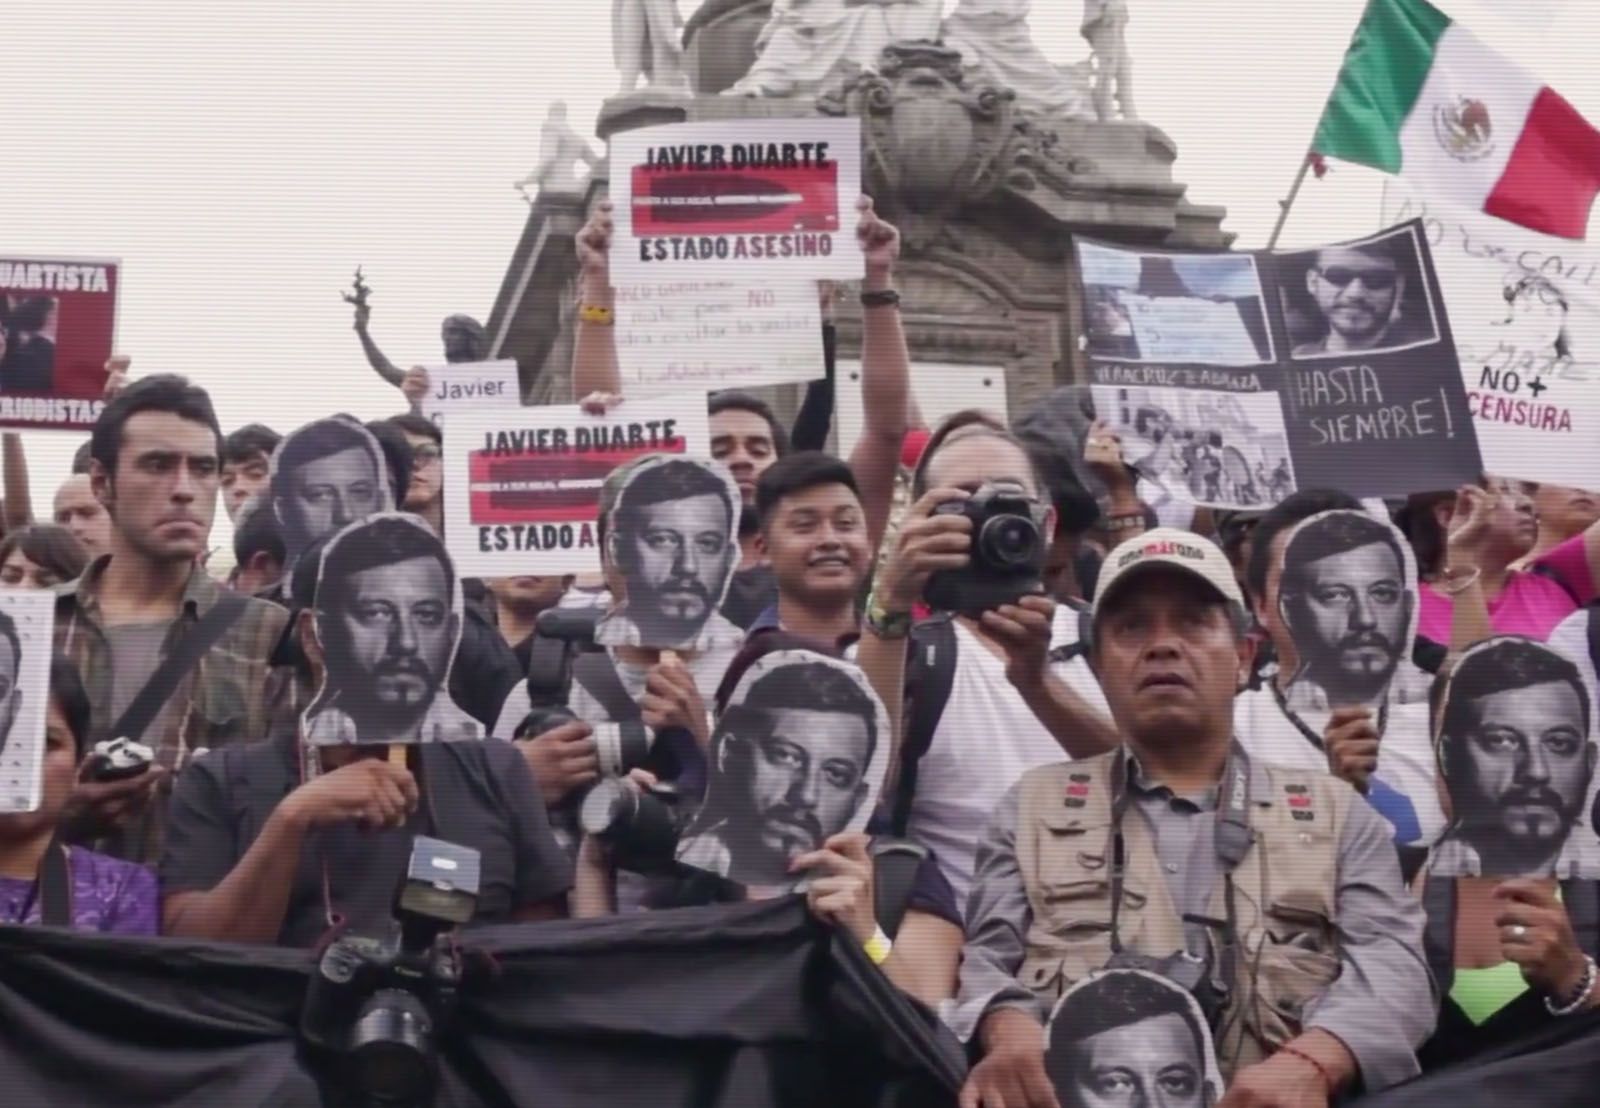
379, 1003
564, 634
1008, 553
119, 759
639, 826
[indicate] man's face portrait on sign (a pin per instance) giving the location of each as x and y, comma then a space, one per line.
1126, 1038
797, 757
326, 476
673, 537
1358, 297
387, 622
1347, 595
1515, 751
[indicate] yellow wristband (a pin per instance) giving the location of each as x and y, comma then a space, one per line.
878, 947
594, 313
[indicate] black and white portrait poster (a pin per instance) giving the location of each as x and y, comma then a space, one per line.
1514, 731
798, 756
1234, 379
673, 534
325, 476
388, 619
1124, 1037
26, 620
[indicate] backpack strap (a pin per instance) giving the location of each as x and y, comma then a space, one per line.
930, 667
597, 673
185, 653
895, 863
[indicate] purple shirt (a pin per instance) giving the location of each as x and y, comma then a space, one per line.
1531, 604
108, 895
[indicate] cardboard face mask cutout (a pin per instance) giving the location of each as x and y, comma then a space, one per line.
388, 619
1514, 735
326, 476
1348, 597
1123, 1037
26, 619
674, 536
797, 757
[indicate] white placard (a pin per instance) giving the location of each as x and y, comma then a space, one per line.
29, 614
715, 335
737, 200
941, 389
459, 385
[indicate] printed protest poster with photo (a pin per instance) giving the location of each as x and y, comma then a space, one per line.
746, 200
1232, 379
27, 617
58, 326
522, 485
460, 385
717, 335
1525, 310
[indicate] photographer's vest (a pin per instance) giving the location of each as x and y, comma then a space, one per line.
1288, 862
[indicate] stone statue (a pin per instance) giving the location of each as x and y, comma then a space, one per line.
1105, 25
644, 42
994, 38
464, 337
560, 150
806, 44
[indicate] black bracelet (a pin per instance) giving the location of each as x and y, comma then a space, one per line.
880, 298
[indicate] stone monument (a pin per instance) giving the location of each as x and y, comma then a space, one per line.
989, 157
561, 150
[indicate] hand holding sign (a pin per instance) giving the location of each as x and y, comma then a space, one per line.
880, 241
839, 884
117, 374
1352, 741
1469, 528
1536, 934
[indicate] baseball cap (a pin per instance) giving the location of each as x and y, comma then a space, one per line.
1170, 547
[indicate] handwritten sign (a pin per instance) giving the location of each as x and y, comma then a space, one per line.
462, 385
716, 334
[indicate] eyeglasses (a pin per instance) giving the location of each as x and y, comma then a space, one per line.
424, 455
1378, 280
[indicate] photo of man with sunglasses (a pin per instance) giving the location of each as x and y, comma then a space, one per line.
1361, 299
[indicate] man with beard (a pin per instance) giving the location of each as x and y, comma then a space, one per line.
1359, 291
673, 540
325, 476
387, 624
789, 770
1515, 751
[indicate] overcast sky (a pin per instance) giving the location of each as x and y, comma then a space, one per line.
242, 157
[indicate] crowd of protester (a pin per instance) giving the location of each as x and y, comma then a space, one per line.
1142, 692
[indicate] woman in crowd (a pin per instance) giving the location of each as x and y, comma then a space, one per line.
103, 894
41, 557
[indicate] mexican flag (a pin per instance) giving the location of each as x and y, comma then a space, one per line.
1420, 96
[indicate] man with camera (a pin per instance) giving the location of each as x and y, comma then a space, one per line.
973, 544
1272, 894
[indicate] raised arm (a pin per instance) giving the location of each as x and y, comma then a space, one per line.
18, 501
1461, 579
885, 374
594, 353
363, 311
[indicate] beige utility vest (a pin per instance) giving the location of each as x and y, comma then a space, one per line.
1284, 895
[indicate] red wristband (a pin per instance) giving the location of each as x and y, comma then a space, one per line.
1327, 1078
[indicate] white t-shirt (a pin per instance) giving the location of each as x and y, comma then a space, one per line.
986, 739
1409, 794
1571, 638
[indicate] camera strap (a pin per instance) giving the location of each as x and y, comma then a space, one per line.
183, 657
1305, 730
52, 888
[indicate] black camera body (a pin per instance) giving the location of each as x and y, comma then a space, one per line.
562, 634
1008, 553
638, 825
118, 760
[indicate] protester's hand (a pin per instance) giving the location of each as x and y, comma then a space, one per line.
594, 247
1352, 740
1536, 934
879, 239
116, 374
826, 291
369, 792
414, 386
99, 808
672, 699
924, 544
1102, 453
1012, 1073
1469, 526
839, 884
563, 760
1023, 630
599, 403
1282, 1081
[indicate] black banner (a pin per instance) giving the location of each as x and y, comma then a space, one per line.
743, 1006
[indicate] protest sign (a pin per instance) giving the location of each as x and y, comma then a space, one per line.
737, 200
522, 485
1233, 379
58, 323
26, 618
716, 335
1525, 309
470, 385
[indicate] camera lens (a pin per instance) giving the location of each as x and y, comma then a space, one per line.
620, 747
390, 1046
1009, 542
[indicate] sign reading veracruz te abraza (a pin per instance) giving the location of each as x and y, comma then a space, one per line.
522, 485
